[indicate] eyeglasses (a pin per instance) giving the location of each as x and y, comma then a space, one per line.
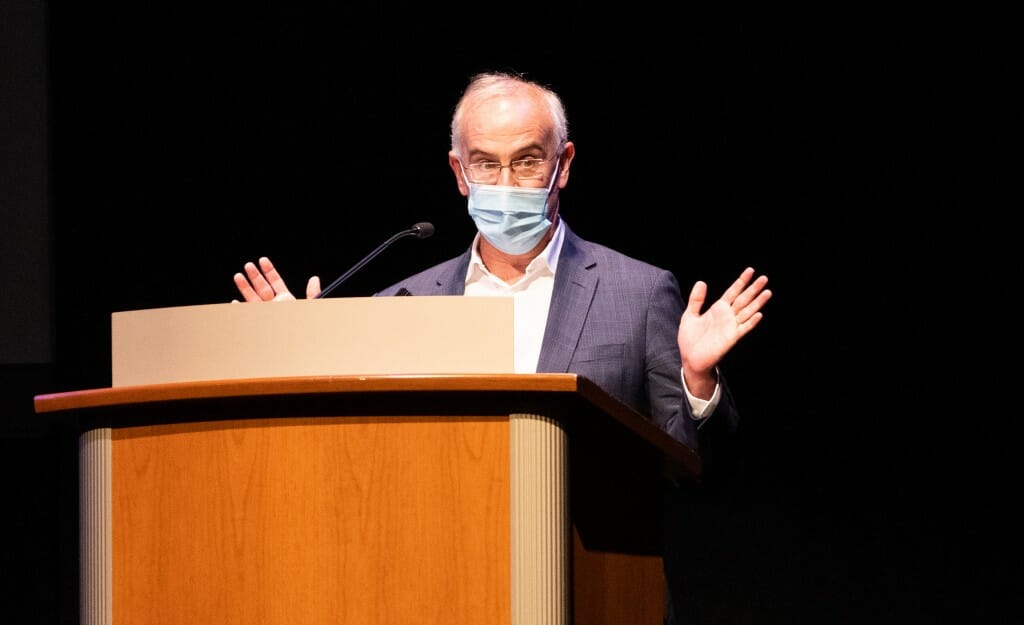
487, 172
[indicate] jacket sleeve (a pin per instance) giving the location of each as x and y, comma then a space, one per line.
716, 437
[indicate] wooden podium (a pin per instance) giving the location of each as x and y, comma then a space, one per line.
390, 498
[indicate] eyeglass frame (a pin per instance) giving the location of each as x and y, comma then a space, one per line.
470, 168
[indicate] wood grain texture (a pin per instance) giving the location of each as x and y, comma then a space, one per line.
616, 588
402, 520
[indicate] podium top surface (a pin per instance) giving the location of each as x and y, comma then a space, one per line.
583, 407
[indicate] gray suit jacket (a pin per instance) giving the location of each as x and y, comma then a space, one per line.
614, 320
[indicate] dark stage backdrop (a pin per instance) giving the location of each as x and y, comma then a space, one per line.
856, 157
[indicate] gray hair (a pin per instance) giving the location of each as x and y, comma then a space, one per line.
490, 84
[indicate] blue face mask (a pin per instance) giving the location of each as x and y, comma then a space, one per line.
512, 219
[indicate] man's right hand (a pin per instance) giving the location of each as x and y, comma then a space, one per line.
263, 284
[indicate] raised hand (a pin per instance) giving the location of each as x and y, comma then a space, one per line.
705, 338
264, 284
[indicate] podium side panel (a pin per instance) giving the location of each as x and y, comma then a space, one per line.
616, 588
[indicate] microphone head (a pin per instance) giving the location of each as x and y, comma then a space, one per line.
423, 229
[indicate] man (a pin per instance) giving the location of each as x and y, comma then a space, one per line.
592, 311
580, 307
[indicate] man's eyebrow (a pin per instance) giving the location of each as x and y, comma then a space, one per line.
531, 147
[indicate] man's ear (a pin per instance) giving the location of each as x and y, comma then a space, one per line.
460, 179
568, 153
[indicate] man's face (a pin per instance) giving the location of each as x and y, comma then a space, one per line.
506, 129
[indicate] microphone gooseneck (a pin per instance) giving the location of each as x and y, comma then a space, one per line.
420, 230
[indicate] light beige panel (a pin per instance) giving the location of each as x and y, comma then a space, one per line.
331, 336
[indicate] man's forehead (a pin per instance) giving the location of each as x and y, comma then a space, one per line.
507, 123
492, 139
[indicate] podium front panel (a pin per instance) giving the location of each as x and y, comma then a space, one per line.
348, 520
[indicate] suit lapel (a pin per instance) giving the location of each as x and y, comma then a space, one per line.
575, 284
453, 282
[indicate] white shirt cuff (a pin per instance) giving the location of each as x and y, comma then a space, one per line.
701, 408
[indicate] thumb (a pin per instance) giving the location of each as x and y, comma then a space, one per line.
697, 295
313, 287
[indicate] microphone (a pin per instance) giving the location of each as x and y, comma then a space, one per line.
421, 230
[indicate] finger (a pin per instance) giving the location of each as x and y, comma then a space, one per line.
751, 292
273, 278
263, 290
313, 287
750, 314
759, 302
749, 324
736, 288
245, 288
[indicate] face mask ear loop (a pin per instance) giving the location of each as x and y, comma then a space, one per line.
551, 184
554, 175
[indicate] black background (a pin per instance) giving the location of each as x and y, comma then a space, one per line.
863, 160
